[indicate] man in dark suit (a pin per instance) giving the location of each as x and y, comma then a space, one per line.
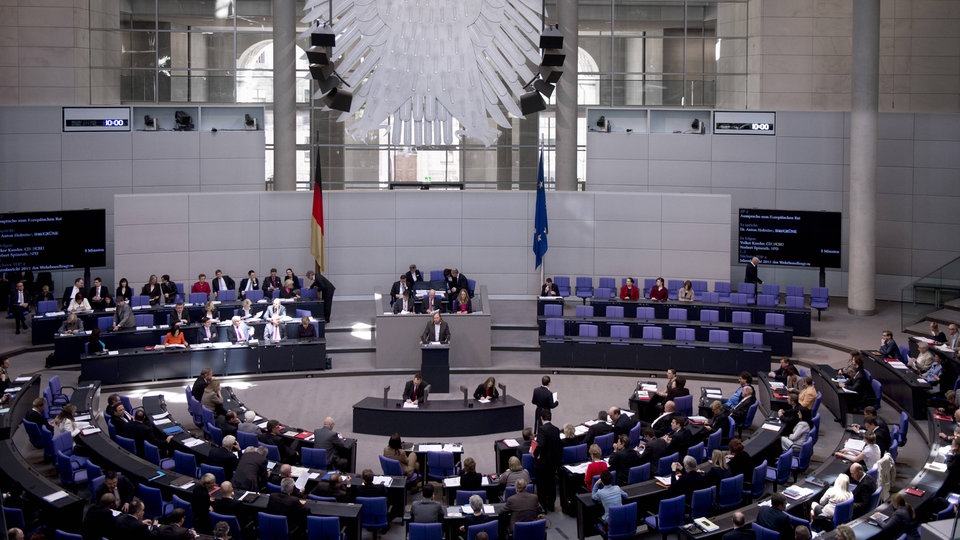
601, 427
173, 528
229, 506
747, 399
326, 288
251, 473
436, 330
543, 400
414, 389
680, 438
880, 430
130, 526
207, 333
661, 424
331, 441
654, 448
99, 295
119, 488
199, 385
71, 292
221, 282
623, 459
459, 283
405, 303
866, 485
550, 288
741, 530
750, 275
20, 305
249, 283
622, 424
431, 303
272, 282
99, 523
36, 416
523, 506
774, 517
398, 289
271, 436
413, 276
288, 505
179, 315
139, 431
200, 502
168, 289
547, 455
123, 318
228, 423
280, 474
367, 488
226, 455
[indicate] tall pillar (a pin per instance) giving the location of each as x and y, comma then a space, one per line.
861, 299
566, 161
284, 95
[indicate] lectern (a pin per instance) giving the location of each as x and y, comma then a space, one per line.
435, 366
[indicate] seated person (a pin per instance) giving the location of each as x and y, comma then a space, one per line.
168, 289
739, 413
201, 286
425, 509
597, 465
920, 364
408, 462
276, 309
175, 337
685, 294
246, 309
238, 332
207, 333
658, 292
99, 296
462, 303
94, 344
288, 290
405, 304
514, 472
781, 373
470, 479
179, 314
397, 289
78, 304
290, 276
211, 311
430, 303
608, 493
152, 290
71, 325
487, 390
549, 288
306, 330
629, 291
274, 331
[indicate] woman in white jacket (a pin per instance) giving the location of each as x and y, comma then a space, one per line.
799, 434
840, 492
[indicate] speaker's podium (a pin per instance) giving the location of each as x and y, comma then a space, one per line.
435, 366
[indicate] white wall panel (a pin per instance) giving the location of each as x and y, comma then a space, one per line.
760, 148
29, 175
809, 150
181, 145
679, 174
96, 146
133, 239
676, 146
810, 176
166, 173
285, 234
19, 120
95, 174
742, 174
29, 147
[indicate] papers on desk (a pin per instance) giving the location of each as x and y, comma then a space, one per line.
82, 418
921, 380
430, 448
5, 410
409, 405
262, 425
12, 390
297, 472
161, 415
936, 466
713, 393
112, 353
302, 481
190, 442
90, 430
580, 468
768, 502
454, 481
162, 422
511, 443
291, 433
896, 364
465, 509
385, 481
648, 387
663, 480
771, 426
454, 511
580, 430
854, 445
484, 400
797, 492
22, 379
188, 486
55, 496
698, 419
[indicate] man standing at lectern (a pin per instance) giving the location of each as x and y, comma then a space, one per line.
751, 272
437, 330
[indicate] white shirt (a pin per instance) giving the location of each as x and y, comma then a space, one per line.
436, 332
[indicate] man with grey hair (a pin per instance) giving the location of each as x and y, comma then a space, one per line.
221, 531
251, 473
866, 485
248, 425
227, 505
200, 502
239, 332
282, 473
226, 455
741, 530
286, 504
686, 478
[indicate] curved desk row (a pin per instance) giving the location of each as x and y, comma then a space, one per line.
948, 359
796, 318
44, 327
902, 385
647, 354
778, 338
135, 365
29, 488
437, 418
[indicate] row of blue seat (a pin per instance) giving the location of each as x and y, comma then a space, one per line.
50, 306
673, 314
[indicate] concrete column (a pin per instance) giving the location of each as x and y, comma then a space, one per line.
284, 95
566, 161
861, 298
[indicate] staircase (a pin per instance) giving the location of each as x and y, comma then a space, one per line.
934, 297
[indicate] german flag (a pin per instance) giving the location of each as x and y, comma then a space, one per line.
316, 224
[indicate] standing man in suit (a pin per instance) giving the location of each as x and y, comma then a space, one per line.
327, 439
250, 283
436, 330
543, 400
415, 388
272, 282
20, 304
251, 473
168, 289
99, 295
71, 292
123, 318
413, 275
547, 456
221, 282
460, 283
326, 289
750, 275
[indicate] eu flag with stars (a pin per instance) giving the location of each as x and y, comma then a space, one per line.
540, 221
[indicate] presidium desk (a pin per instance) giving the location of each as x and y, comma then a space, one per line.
398, 336
437, 418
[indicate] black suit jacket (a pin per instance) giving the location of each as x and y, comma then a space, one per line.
745, 533
884, 439
243, 286
411, 279
127, 527
428, 332
861, 495
215, 286
775, 520
124, 487
139, 432
680, 442
233, 507
622, 461
549, 448
173, 532
653, 451
281, 504
98, 523
38, 419
750, 276
623, 425
104, 295
221, 457
542, 399
545, 291
272, 282
409, 387
461, 283
251, 472
182, 318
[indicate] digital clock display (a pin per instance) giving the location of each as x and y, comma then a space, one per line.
96, 119
744, 123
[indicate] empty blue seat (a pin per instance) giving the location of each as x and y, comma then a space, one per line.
794, 301
774, 319
677, 314
685, 334
563, 285
553, 310
614, 312
584, 285
752, 338
646, 312
742, 317
584, 311
767, 300
619, 331
708, 297
588, 330
719, 336
652, 332
555, 328
709, 315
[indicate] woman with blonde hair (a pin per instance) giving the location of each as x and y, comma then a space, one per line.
569, 436
462, 303
597, 465
838, 493
514, 472
212, 398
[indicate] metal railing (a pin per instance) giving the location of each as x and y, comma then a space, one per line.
929, 293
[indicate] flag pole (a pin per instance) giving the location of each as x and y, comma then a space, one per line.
543, 258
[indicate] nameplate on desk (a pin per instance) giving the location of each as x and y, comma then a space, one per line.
55, 496
90, 430
511, 443
385, 481
797, 492
771, 427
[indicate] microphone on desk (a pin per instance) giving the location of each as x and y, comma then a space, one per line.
386, 390
503, 390
464, 390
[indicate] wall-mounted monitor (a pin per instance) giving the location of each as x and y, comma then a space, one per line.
53, 240
790, 237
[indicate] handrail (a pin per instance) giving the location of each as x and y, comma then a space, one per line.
929, 293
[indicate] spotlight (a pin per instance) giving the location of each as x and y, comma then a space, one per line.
249, 123
321, 72
551, 38
149, 123
319, 55
330, 83
323, 37
340, 100
552, 57
550, 74
543, 87
532, 102
184, 121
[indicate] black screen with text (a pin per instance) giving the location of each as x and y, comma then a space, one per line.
790, 237
52, 240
